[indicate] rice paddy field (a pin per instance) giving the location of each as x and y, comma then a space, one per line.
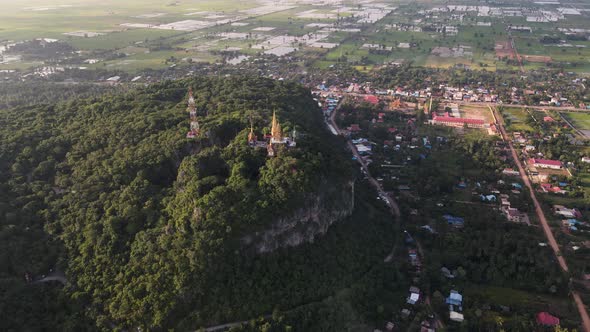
194, 28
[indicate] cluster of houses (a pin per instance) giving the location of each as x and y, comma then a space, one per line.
455, 302
573, 225
563, 211
399, 99
512, 213
550, 188
399, 138
468, 94
414, 295
542, 170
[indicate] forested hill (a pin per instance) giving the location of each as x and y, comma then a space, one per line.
144, 222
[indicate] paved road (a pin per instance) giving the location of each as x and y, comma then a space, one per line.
394, 208
543, 221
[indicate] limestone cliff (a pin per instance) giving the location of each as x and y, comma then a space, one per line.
306, 223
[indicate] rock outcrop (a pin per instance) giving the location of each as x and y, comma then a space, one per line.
305, 224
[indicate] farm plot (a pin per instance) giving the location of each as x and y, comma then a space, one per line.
580, 121
517, 118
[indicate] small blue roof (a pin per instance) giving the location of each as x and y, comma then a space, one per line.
454, 220
454, 298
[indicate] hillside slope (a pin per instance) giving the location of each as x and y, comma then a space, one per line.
145, 222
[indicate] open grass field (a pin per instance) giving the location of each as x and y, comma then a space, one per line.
476, 112
517, 118
580, 120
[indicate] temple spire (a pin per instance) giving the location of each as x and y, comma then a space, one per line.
276, 128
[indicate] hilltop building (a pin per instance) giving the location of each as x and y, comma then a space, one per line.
275, 138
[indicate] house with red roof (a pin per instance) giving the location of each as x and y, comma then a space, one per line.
546, 319
548, 119
371, 99
548, 188
545, 163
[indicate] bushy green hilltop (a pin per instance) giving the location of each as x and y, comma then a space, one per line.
147, 225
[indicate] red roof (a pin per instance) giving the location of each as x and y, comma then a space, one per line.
392, 130
457, 120
513, 212
549, 162
354, 127
551, 188
548, 119
381, 115
545, 318
372, 99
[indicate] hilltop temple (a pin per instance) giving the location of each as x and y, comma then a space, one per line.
195, 128
275, 139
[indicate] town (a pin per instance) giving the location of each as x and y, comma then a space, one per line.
505, 158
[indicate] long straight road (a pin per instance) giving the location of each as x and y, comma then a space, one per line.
542, 219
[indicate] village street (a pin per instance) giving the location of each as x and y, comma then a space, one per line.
542, 219
394, 208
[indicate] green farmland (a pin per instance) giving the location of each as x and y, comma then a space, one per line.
580, 120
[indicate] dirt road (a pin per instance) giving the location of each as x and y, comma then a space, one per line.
543, 220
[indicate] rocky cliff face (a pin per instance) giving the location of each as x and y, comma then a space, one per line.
313, 219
